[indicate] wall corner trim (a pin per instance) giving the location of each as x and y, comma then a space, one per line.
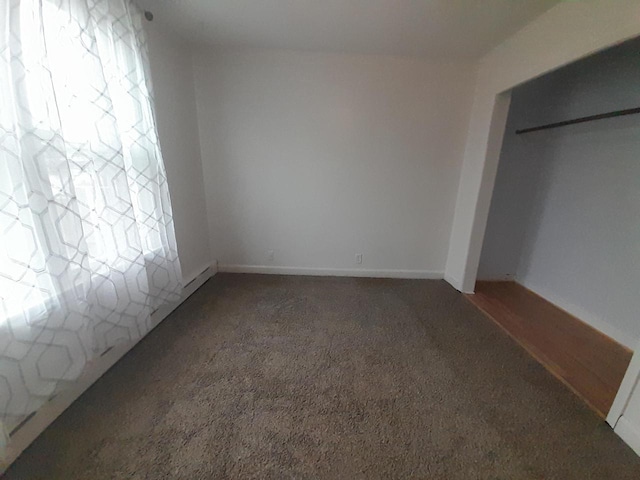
629, 434
455, 283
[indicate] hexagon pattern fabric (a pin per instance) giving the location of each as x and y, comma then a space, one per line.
87, 248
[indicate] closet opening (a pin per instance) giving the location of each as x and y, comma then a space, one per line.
560, 263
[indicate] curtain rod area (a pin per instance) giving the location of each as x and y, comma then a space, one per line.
591, 118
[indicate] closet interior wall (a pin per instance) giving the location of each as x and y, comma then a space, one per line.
564, 219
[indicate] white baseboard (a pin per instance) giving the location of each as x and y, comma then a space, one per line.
331, 272
454, 282
187, 279
21, 439
629, 434
507, 277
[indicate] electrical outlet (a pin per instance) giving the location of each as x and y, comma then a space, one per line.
271, 255
359, 258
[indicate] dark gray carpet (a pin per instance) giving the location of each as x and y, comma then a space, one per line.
300, 377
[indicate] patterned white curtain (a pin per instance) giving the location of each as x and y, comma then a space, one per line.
87, 248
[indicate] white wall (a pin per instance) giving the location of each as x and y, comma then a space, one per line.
565, 214
319, 157
172, 74
628, 426
563, 34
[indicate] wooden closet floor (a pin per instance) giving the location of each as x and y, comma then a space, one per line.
587, 361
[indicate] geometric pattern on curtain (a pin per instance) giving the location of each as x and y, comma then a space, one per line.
88, 247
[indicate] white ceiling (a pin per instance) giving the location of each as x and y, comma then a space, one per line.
454, 29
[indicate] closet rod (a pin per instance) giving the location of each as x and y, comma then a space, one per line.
617, 113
